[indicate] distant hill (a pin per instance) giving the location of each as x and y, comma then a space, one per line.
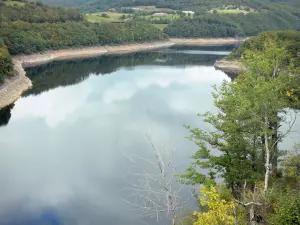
27, 27
35, 12
197, 5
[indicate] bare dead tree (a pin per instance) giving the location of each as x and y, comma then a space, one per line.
154, 189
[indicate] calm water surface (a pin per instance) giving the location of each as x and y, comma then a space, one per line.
61, 159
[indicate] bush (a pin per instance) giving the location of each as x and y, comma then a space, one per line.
286, 209
105, 15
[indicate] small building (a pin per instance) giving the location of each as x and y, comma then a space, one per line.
189, 12
160, 14
137, 9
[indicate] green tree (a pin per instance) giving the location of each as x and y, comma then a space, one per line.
6, 66
241, 147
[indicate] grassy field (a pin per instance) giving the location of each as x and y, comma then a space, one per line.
112, 17
14, 3
229, 9
160, 26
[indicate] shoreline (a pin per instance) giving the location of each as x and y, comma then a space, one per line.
13, 88
207, 41
37, 59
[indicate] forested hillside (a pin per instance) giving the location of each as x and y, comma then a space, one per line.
211, 18
32, 27
35, 13
196, 5
224, 25
64, 3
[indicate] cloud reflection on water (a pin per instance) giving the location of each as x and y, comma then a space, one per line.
62, 158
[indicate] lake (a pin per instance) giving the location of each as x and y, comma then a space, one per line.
64, 143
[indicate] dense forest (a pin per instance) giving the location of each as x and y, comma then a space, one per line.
22, 37
35, 12
207, 26
229, 25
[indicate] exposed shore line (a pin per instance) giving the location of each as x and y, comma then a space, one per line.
13, 88
37, 59
206, 41
229, 66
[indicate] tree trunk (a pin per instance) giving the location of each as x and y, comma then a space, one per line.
267, 162
174, 218
251, 215
274, 160
235, 216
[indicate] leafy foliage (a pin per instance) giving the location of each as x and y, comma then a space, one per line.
291, 164
286, 208
220, 211
285, 197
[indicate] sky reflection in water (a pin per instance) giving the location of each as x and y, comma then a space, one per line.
60, 158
